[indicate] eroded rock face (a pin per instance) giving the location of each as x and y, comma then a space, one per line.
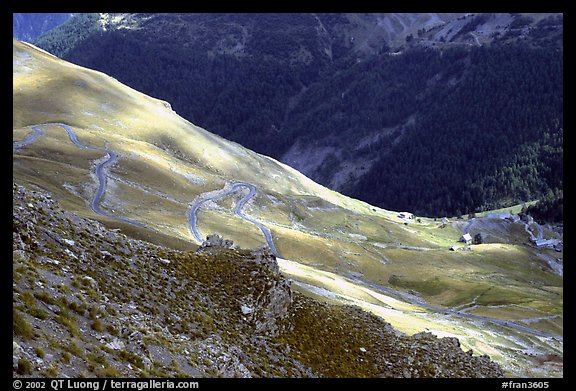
271, 304
273, 307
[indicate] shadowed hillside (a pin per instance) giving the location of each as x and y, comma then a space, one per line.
381, 107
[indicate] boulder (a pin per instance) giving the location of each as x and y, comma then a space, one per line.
115, 344
246, 309
89, 282
69, 242
16, 350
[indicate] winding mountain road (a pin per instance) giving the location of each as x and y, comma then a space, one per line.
29, 139
37, 132
403, 296
416, 301
192, 219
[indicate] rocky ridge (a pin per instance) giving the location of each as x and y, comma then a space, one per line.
90, 301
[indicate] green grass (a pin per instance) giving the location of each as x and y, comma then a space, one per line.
515, 209
430, 287
21, 327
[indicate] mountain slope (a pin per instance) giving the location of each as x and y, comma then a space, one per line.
172, 313
110, 153
29, 26
340, 96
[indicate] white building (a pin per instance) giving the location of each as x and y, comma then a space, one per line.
466, 238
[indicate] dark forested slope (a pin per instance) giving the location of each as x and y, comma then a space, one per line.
449, 116
496, 137
28, 26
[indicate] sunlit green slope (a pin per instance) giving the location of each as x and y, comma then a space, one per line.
333, 246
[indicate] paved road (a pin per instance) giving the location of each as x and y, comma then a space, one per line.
192, 219
35, 135
419, 302
94, 205
112, 156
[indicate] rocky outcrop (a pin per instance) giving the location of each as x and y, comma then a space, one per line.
267, 303
444, 357
271, 304
216, 240
264, 256
90, 301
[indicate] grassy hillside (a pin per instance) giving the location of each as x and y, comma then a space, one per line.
215, 312
332, 244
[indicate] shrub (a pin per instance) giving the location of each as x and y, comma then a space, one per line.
40, 352
45, 297
51, 371
132, 358
66, 357
38, 313
478, 239
101, 359
21, 327
98, 326
112, 330
24, 367
108, 372
69, 321
28, 299
63, 288
94, 312
79, 308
